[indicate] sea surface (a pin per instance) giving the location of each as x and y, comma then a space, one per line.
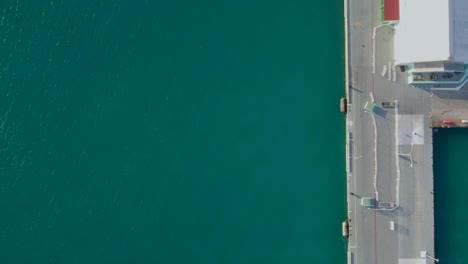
450, 195
172, 132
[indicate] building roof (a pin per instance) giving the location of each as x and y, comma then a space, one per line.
432, 30
459, 30
391, 10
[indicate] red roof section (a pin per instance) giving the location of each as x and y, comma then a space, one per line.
391, 10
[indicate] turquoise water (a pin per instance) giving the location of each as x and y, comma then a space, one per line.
171, 132
451, 185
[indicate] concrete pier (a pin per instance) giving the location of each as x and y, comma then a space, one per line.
389, 146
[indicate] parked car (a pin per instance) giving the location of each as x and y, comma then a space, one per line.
447, 122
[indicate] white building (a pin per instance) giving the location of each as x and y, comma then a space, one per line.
431, 40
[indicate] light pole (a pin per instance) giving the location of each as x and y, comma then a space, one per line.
431, 257
410, 155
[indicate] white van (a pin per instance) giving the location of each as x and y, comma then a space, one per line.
465, 121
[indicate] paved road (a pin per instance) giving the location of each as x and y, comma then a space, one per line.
389, 150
